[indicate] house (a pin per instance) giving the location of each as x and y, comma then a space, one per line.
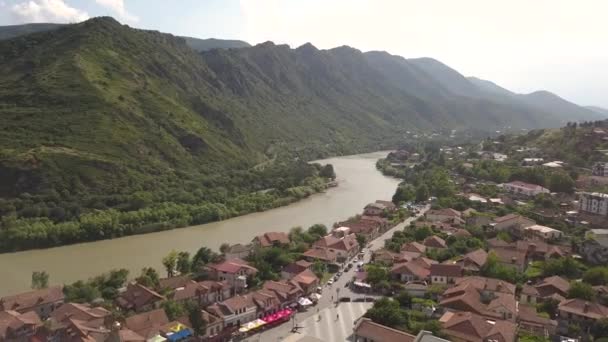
384, 256
550, 287
266, 302
211, 291
147, 324
579, 311
345, 248
416, 288
366, 330
415, 247
43, 301
530, 321
600, 169
139, 298
290, 270
369, 229
374, 209
287, 292
172, 283
532, 161
504, 305
271, 239
538, 232
524, 189
234, 271
81, 320
390, 206
307, 281
595, 247
487, 286
445, 273
236, 310
417, 269
238, 251
213, 324
511, 257
472, 262
593, 203
434, 242
444, 215
15, 326
191, 291
320, 254
511, 222
470, 327
468, 298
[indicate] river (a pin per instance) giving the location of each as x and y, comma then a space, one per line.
359, 184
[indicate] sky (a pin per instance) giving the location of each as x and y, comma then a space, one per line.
522, 45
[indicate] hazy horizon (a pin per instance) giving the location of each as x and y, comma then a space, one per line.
520, 45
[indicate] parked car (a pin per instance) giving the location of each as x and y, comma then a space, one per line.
330, 281
345, 299
339, 273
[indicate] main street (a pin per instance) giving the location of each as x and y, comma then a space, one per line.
327, 307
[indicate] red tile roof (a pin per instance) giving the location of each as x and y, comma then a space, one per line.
553, 284
233, 266
376, 332
147, 324
271, 238
468, 326
23, 302
321, 254
435, 241
137, 296
584, 308
487, 284
13, 321
414, 247
326, 241
446, 270
306, 278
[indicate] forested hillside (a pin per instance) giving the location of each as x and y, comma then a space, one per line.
107, 130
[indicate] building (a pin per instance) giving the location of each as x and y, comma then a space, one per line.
290, 270
271, 239
469, 327
234, 271
374, 209
444, 215
345, 248
147, 324
211, 291
488, 286
81, 320
414, 247
511, 222
595, 247
530, 321
511, 258
581, 312
366, 330
594, 203
307, 281
417, 269
524, 189
288, 293
320, 254
445, 273
15, 326
554, 287
238, 251
43, 302
434, 242
600, 169
235, 311
139, 298
472, 262
536, 232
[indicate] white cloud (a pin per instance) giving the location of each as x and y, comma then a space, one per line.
51, 11
118, 7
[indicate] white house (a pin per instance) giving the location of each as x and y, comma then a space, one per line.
594, 203
525, 189
542, 232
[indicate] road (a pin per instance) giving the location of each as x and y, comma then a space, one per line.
327, 306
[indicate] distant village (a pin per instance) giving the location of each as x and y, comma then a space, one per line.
455, 256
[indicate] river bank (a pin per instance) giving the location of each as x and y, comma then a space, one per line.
360, 183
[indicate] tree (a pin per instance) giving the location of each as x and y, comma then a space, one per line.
422, 233
376, 274
361, 240
404, 193
561, 182
196, 318
581, 290
404, 299
318, 230
318, 268
422, 193
600, 327
387, 312
170, 263
149, 278
183, 263
81, 292
202, 257
224, 248
328, 172
40, 280
596, 276
173, 309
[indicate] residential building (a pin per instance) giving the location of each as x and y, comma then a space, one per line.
211, 291
472, 262
414, 246
524, 189
82, 320
511, 222
477, 220
238, 251
234, 271
390, 206
320, 254
287, 292
470, 327
417, 269
43, 301
593, 203
307, 281
147, 324
487, 286
374, 209
600, 169
530, 321
538, 232
271, 239
595, 247
139, 298
345, 248
581, 312
267, 302
366, 330
444, 215
236, 310
511, 258
434, 242
554, 287
18, 327
290, 270
173, 283
445, 273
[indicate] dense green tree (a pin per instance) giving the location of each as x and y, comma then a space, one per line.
224, 247
183, 264
318, 230
581, 290
149, 278
173, 309
600, 328
376, 274
422, 233
422, 193
387, 312
199, 325
202, 257
404, 193
327, 171
596, 275
170, 263
40, 280
404, 299
561, 182
81, 292
361, 240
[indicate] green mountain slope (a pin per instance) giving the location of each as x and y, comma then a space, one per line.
12, 31
212, 43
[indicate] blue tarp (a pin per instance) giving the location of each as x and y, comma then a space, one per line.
179, 335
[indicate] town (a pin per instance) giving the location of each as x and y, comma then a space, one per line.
498, 241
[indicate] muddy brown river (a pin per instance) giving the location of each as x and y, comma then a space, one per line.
359, 184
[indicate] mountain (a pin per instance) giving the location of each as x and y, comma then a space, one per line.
212, 43
599, 110
490, 87
11, 31
96, 109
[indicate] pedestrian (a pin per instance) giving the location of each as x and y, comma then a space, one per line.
337, 316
